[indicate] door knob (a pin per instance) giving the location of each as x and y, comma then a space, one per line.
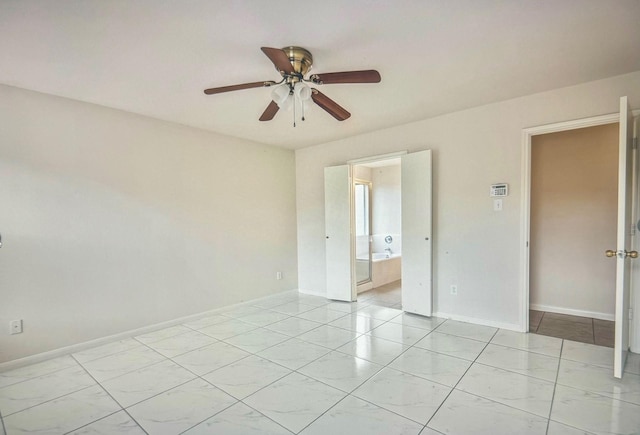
632, 254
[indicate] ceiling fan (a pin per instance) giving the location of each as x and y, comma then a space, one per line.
293, 63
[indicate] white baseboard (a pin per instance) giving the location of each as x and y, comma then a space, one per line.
312, 293
483, 322
78, 347
364, 287
572, 312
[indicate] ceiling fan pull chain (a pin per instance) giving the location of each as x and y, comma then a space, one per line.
302, 106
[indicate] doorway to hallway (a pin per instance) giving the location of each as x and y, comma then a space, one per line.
573, 214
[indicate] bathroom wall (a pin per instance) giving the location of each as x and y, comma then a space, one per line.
386, 203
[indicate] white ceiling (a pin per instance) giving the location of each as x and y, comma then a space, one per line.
155, 57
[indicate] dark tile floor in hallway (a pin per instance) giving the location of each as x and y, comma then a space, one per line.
582, 329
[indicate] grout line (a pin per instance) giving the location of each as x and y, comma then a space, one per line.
529, 351
155, 395
107, 416
264, 415
2, 426
484, 364
583, 431
502, 404
201, 377
382, 367
237, 400
112, 398
555, 384
461, 377
599, 394
540, 322
49, 400
320, 416
213, 415
347, 394
41, 374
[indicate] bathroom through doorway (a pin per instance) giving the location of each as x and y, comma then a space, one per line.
378, 230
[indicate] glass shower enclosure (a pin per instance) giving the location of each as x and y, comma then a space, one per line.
362, 195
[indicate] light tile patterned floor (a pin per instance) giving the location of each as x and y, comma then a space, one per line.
295, 363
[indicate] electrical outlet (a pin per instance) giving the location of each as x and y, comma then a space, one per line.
278, 275
454, 290
15, 327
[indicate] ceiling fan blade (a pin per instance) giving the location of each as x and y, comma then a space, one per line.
333, 108
222, 89
270, 112
279, 59
367, 76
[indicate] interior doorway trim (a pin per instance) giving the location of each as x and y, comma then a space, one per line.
376, 158
527, 135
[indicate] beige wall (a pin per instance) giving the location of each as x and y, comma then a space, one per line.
574, 188
113, 221
474, 247
386, 200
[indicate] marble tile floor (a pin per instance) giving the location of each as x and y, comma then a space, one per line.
301, 364
575, 328
387, 295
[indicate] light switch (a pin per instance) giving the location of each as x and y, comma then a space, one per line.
497, 205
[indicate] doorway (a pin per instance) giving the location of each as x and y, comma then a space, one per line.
626, 246
574, 189
377, 193
416, 239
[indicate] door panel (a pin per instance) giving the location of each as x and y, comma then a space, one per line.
623, 243
416, 233
337, 209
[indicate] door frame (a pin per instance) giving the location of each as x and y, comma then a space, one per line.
525, 225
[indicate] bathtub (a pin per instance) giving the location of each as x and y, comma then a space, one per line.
385, 268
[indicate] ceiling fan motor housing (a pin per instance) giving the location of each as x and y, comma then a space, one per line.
301, 60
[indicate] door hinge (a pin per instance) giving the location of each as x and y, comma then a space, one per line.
635, 143
630, 313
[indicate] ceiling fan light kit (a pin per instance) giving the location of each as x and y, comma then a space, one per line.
293, 63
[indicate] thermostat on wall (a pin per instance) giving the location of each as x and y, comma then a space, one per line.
501, 189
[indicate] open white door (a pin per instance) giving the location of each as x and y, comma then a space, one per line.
337, 218
416, 233
623, 239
